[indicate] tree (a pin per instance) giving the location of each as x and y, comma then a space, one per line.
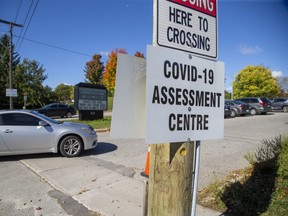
94, 70
109, 75
28, 79
228, 95
63, 92
5, 68
139, 54
255, 81
283, 83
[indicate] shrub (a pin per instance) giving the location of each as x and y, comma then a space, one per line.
283, 159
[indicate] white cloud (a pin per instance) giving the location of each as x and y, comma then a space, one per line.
246, 50
229, 88
277, 73
104, 53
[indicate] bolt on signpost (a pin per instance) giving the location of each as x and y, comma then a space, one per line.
184, 100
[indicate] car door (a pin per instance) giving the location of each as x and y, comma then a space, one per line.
277, 104
53, 110
62, 109
21, 133
3, 147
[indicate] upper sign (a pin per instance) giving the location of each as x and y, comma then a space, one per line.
188, 25
11, 93
185, 97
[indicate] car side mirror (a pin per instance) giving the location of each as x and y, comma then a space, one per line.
43, 123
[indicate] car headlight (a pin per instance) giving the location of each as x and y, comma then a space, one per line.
89, 130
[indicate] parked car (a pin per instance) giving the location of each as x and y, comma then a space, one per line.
258, 105
280, 104
227, 111
28, 132
238, 108
57, 109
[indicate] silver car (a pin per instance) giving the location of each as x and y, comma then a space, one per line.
27, 132
280, 104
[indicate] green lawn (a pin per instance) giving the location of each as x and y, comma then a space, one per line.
97, 124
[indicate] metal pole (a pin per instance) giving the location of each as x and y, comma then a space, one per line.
196, 175
10, 67
11, 56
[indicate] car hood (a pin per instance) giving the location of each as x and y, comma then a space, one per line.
75, 124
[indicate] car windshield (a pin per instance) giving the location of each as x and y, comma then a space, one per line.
46, 106
47, 118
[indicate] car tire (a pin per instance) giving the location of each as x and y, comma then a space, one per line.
69, 115
233, 113
253, 112
71, 146
285, 109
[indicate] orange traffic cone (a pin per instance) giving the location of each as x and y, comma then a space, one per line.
147, 167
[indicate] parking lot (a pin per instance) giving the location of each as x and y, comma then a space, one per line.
107, 179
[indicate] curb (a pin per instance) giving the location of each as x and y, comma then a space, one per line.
102, 130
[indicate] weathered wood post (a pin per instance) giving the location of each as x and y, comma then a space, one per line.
170, 179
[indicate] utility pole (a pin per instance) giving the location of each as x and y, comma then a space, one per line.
11, 57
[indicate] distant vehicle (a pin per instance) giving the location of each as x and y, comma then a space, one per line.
57, 109
258, 105
280, 104
238, 108
227, 111
28, 132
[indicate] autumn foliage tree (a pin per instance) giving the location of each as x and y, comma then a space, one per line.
139, 54
254, 81
109, 75
94, 70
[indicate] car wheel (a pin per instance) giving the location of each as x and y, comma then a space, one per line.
69, 115
253, 112
285, 109
71, 146
233, 113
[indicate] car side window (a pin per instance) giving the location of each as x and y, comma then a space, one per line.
19, 119
62, 106
54, 107
253, 100
245, 100
1, 121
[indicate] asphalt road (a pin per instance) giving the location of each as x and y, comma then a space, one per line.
107, 179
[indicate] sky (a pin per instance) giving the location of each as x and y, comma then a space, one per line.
62, 35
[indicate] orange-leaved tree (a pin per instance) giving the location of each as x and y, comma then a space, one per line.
94, 70
109, 75
139, 54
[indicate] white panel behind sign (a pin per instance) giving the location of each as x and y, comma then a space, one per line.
129, 116
185, 97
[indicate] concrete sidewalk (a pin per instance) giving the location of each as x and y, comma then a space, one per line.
110, 192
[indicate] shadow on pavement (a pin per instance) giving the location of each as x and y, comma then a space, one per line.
28, 156
102, 148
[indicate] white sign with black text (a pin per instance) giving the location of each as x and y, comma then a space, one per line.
189, 26
184, 97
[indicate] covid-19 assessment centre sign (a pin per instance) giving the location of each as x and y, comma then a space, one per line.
184, 82
188, 25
